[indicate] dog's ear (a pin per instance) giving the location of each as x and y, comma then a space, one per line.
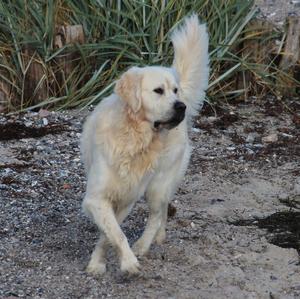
128, 88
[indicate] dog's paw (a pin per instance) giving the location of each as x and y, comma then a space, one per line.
130, 266
96, 268
139, 248
160, 237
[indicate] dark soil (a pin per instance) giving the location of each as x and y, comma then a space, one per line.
11, 131
283, 227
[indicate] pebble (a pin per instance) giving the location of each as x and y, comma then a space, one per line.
250, 138
231, 148
287, 135
212, 119
196, 130
44, 113
258, 145
45, 121
250, 151
270, 138
28, 124
295, 2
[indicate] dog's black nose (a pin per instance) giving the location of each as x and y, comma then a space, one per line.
179, 106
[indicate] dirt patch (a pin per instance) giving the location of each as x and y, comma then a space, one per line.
215, 116
283, 228
11, 131
245, 165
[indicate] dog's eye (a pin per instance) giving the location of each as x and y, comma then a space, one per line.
159, 90
175, 90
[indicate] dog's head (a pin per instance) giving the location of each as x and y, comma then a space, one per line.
154, 92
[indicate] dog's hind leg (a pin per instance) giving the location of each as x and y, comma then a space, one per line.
156, 215
158, 194
161, 233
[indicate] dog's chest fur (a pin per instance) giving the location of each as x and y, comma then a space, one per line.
133, 151
138, 155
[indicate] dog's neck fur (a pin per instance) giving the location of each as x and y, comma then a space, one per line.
140, 130
141, 144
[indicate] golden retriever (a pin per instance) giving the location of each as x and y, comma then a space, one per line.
136, 143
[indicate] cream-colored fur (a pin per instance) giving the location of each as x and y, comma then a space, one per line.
131, 147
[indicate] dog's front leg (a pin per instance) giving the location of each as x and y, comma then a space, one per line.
105, 218
97, 264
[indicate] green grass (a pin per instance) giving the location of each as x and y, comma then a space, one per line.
118, 34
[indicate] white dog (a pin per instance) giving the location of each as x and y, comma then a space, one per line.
136, 142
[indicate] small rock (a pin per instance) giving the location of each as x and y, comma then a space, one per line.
66, 186
297, 2
45, 121
171, 210
230, 148
283, 196
285, 135
44, 113
258, 145
196, 130
211, 119
270, 138
28, 124
216, 200
273, 277
250, 151
297, 187
250, 138
296, 120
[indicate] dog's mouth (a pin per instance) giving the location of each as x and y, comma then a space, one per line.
171, 123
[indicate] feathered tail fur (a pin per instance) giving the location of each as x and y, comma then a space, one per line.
191, 62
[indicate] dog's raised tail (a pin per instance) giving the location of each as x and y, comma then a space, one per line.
191, 61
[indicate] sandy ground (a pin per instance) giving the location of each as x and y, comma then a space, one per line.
245, 166
277, 11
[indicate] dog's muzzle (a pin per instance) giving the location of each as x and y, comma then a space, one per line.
175, 120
